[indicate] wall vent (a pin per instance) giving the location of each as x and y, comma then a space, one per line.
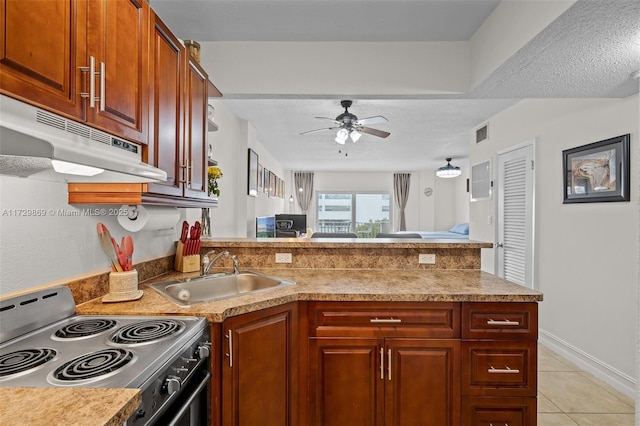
482, 133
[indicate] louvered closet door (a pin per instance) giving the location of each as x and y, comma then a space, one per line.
514, 252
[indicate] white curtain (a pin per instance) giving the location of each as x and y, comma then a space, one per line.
304, 189
401, 193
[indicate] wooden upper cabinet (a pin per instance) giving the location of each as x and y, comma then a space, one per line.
117, 39
166, 130
41, 50
47, 51
178, 128
195, 148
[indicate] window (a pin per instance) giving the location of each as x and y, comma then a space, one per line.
365, 214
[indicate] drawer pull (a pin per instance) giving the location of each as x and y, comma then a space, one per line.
384, 320
505, 424
505, 370
382, 363
502, 322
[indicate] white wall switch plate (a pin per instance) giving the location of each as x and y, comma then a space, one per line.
429, 259
284, 257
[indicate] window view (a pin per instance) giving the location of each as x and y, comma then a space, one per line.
365, 214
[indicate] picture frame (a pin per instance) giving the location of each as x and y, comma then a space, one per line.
252, 181
260, 178
597, 172
272, 185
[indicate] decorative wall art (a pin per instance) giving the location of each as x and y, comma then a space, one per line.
597, 172
252, 180
260, 178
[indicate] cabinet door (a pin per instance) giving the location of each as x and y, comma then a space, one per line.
196, 131
117, 36
167, 90
345, 382
259, 373
39, 44
422, 385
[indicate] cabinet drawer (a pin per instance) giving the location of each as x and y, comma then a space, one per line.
441, 320
509, 321
499, 368
499, 411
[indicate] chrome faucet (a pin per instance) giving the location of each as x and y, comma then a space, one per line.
225, 253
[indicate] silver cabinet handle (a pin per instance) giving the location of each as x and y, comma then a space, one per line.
506, 370
389, 364
384, 320
502, 322
382, 363
103, 80
230, 354
91, 69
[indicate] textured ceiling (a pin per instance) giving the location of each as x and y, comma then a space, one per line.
590, 51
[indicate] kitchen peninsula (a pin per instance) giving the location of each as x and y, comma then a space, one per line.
371, 306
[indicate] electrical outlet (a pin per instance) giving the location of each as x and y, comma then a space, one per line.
429, 259
284, 257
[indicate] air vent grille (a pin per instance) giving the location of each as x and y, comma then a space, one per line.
70, 126
482, 134
99, 136
78, 129
50, 119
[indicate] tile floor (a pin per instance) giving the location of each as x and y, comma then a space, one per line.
569, 396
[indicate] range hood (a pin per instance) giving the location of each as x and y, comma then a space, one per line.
37, 144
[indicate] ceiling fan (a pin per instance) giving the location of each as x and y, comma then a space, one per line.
348, 125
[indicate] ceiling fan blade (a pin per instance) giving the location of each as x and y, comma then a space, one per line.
376, 119
319, 130
374, 132
330, 119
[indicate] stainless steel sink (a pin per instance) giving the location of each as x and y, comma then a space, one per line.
209, 288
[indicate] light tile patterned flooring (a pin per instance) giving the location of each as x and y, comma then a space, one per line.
569, 396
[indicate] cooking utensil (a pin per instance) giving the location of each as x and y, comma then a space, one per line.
127, 247
122, 257
107, 246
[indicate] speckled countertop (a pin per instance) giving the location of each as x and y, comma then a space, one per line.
67, 406
342, 243
332, 285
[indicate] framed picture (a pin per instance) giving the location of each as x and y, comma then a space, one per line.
272, 184
260, 178
252, 180
597, 172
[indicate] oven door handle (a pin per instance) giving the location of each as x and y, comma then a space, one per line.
187, 404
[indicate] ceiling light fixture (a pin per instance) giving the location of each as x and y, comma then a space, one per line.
341, 136
355, 135
448, 171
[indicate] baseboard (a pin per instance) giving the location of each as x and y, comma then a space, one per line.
612, 376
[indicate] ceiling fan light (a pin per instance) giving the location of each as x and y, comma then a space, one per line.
355, 135
341, 136
448, 171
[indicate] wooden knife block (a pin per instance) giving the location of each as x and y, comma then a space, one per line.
186, 263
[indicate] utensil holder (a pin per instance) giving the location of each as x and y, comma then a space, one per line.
186, 263
123, 287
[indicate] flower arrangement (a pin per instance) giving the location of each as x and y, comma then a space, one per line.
213, 174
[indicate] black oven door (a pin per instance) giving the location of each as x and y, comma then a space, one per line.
192, 406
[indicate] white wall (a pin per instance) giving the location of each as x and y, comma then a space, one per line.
42, 249
585, 252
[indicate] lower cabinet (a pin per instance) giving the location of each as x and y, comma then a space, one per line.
379, 364
259, 368
390, 381
478, 411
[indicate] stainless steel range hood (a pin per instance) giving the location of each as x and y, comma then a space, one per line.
38, 144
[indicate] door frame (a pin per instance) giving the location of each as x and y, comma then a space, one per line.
532, 244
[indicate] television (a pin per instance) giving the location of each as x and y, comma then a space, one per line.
290, 225
265, 227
